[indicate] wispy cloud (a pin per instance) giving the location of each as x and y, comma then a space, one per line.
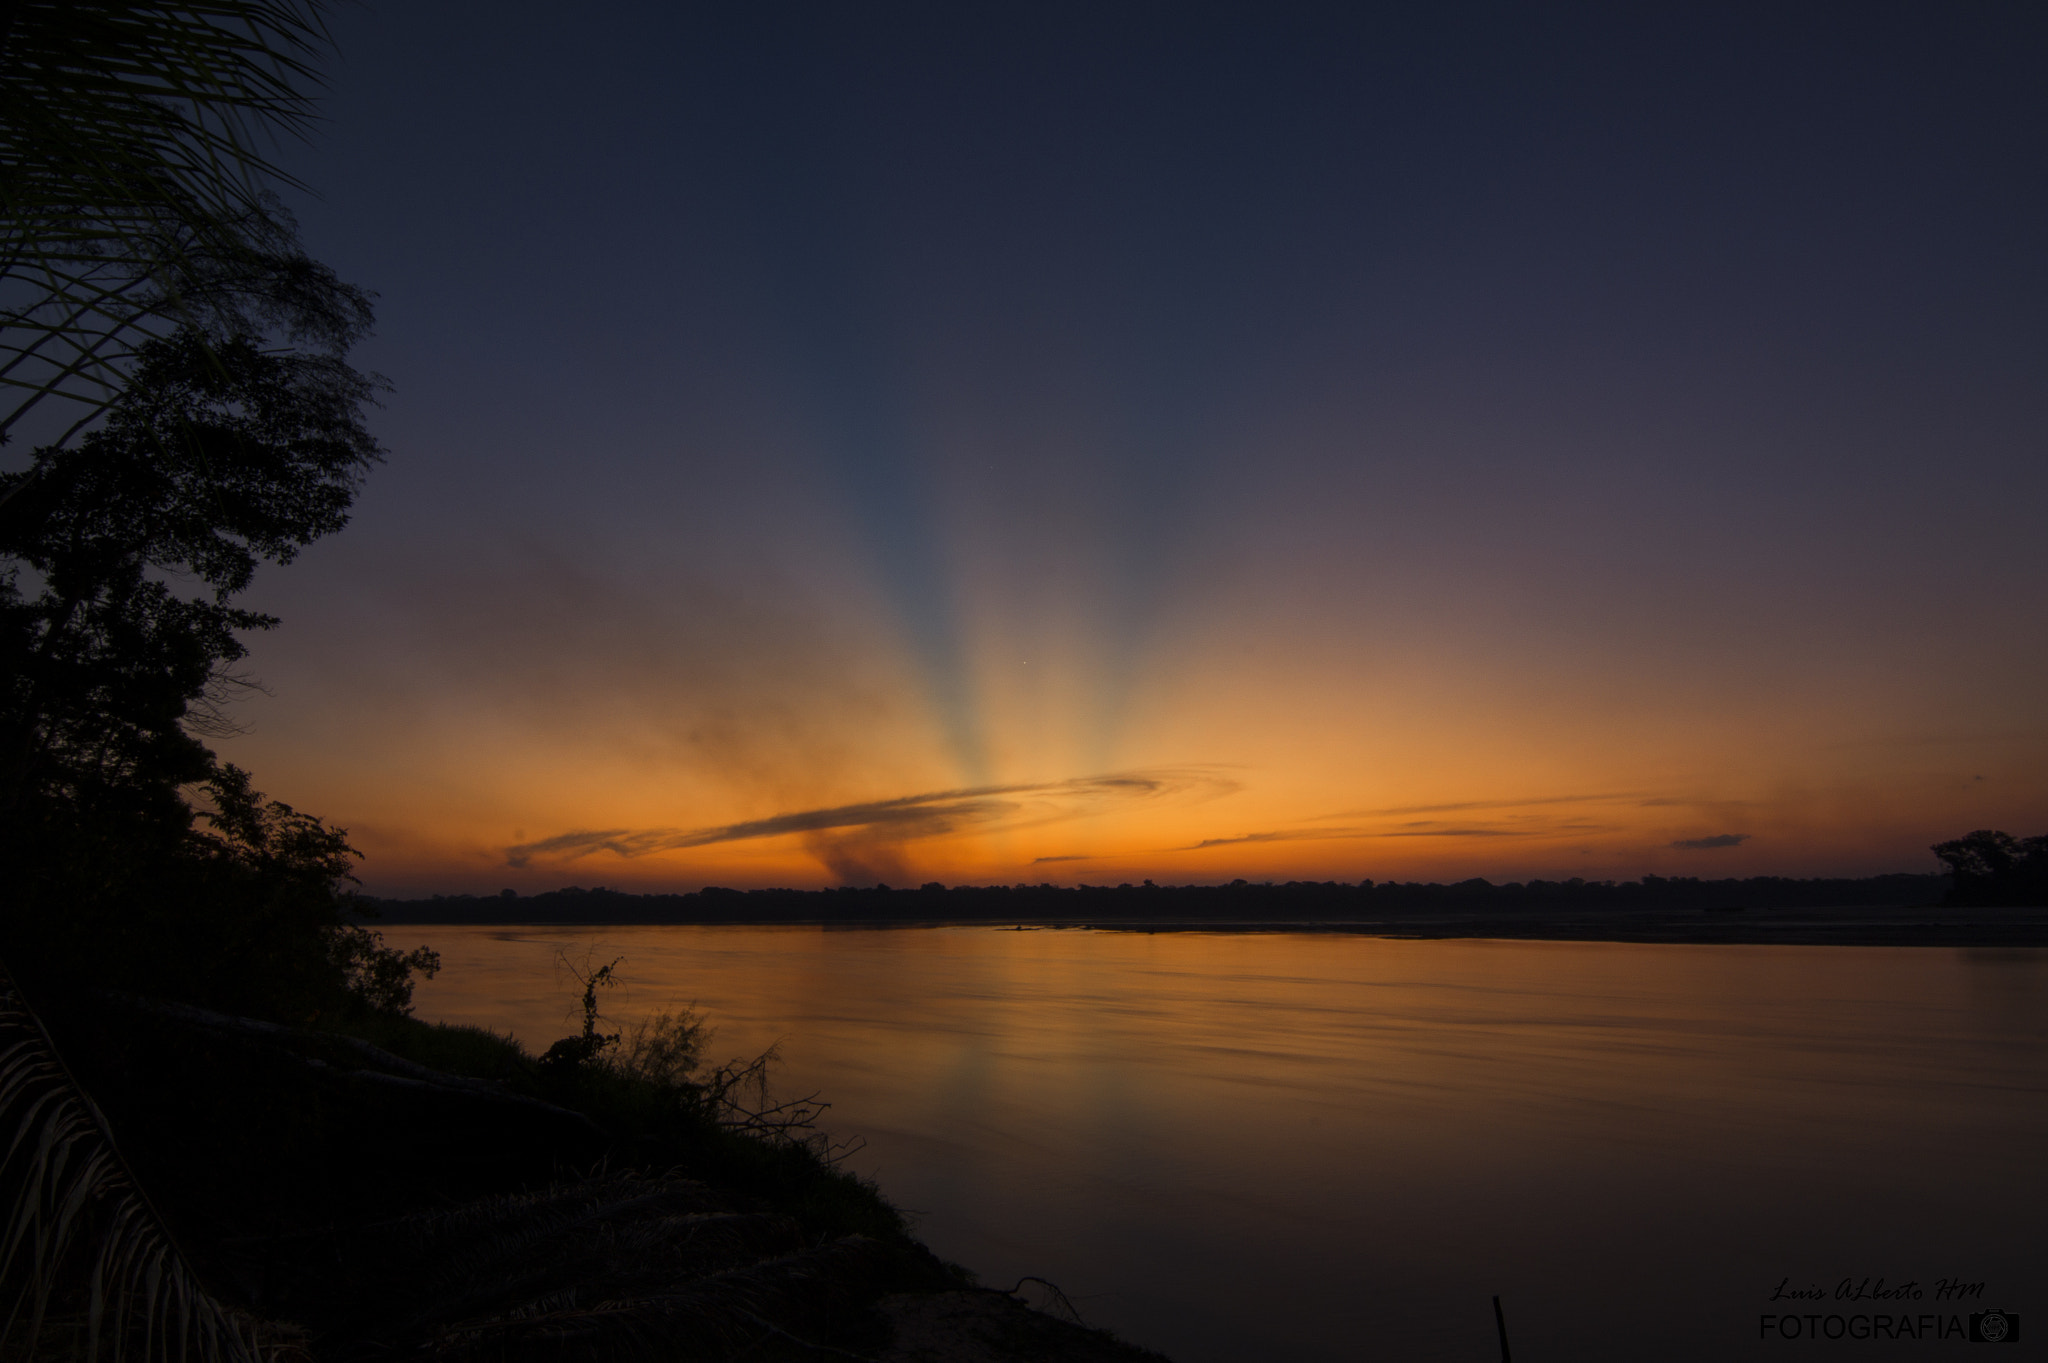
1463, 805
1708, 844
1280, 835
1434, 828
1037, 860
1519, 825
907, 817
1322, 834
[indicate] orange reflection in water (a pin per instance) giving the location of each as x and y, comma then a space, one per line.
1301, 1145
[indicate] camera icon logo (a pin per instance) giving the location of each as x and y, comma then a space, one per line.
1994, 1327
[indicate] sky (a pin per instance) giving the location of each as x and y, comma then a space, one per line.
839, 444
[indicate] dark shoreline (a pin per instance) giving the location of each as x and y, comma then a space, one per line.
1872, 926
397, 1189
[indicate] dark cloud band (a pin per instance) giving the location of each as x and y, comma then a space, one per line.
907, 817
1708, 844
1321, 834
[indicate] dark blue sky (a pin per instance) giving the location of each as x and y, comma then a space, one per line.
1446, 367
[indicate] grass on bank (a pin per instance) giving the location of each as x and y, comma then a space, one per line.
649, 1090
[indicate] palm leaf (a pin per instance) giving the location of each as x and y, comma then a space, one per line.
84, 1255
133, 167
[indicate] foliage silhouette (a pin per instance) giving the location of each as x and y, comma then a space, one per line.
150, 281
150, 278
85, 1250
215, 459
387, 1206
574, 1052
219, 456
133, 182
648, 1068
1995, 869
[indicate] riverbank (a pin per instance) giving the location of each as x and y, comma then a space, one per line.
399, 1188
1234, 903
1879, 925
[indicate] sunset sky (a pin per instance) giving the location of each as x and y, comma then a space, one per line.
836, 443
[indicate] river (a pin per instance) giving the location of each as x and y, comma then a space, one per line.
1312, 1147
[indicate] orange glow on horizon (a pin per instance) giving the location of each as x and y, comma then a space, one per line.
1341, 765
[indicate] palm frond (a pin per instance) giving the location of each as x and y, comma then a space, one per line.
114, 112
134, 149
85, 1258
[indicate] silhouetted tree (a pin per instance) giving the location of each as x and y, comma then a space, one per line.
217, 457
130, 850
1995, 868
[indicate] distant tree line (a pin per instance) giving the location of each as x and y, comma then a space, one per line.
1238, 901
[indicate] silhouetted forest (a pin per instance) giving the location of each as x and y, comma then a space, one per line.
1239, 901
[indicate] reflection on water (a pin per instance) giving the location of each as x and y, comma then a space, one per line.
1323, 1147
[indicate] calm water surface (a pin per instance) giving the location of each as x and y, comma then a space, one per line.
1322, 1147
